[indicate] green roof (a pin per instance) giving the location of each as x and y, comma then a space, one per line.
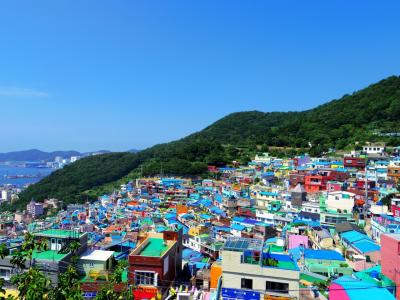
155, 247
52, 255
58, 233
382, 280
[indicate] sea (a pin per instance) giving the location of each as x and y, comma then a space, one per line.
16, 169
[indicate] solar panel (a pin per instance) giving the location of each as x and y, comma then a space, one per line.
240, 244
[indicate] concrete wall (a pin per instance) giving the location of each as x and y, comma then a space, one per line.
97, 265
234, 271
390, 260
339, 203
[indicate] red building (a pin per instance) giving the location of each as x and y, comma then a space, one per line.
316, 183
354, 162
156, 261
247, 212
395, 207
338, 176
360, 184
390, 258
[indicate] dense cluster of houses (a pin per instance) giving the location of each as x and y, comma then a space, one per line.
296, 228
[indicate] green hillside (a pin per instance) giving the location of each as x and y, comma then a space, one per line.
336, 124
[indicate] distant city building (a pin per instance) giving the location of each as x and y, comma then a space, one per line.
35, 208
74, 158
5, 195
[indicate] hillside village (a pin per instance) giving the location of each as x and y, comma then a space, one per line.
294, 228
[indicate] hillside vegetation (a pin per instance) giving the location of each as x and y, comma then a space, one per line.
337, 124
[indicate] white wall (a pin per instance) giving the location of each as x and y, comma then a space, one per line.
234, 271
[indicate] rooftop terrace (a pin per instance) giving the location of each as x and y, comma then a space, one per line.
49, 255
155, 247
58, 233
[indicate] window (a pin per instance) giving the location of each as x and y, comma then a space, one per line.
247, 284
277, 287
145, 278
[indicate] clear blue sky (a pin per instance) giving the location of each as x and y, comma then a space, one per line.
116, 75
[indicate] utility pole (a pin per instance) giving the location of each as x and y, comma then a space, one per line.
366, 191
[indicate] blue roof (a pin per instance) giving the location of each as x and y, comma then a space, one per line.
296, 253
361, 290
187, 216
227, 169
366, 246
268, 193
238, 227
268, 174
222, 228
218, 198
205, 216
360, 241
353, 236
170, 216
192, 255
322, 254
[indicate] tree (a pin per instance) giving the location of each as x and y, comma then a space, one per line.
107, 291
68, 287
32, 284
387, 200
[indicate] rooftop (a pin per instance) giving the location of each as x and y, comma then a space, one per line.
98, 255
322, 254
359, 289
155, 247
241, 244
59, 233
51, 255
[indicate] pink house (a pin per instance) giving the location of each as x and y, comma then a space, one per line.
334, 186
390, 258
296, 240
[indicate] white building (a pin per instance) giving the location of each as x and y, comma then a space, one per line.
374, 149
340, 201
248, 270
5, 195
263, 158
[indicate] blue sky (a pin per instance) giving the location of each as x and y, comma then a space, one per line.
117, 75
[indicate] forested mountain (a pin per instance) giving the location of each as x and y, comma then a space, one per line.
342, 123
